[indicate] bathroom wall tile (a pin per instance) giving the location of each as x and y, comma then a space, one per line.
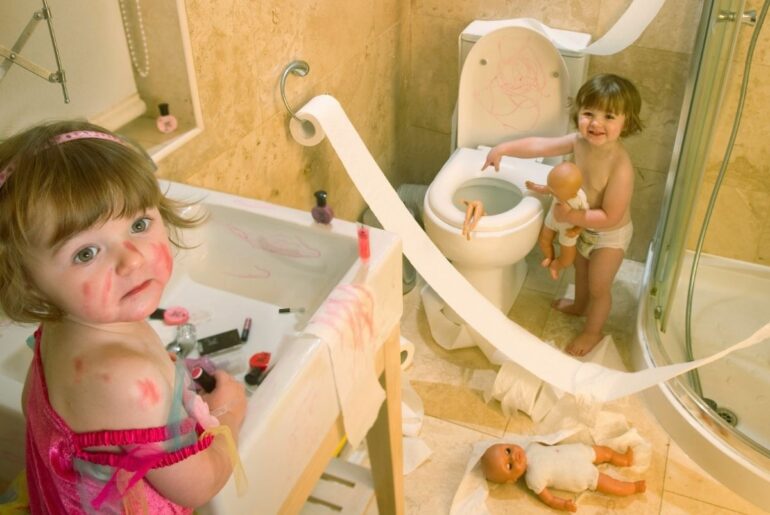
660, 77
433, 74
739, 214
762, 51
462, 406
750, 155
685, 479
421, 154
465, 11
388, 13
649, 186
579, 15
673, 28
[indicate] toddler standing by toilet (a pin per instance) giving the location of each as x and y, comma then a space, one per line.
605, 110
113, 423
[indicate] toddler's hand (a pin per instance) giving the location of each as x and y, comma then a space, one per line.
493, 159
229, 396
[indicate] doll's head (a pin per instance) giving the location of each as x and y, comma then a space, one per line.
57, 180
565, 180
504, 463
614, 94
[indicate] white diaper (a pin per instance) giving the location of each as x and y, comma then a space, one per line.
590, 240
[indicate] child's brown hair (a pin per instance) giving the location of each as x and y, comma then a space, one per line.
68, 187
614, 94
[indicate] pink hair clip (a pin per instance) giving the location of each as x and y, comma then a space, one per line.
64, 138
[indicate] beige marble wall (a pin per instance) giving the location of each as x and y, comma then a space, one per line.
658, 63
240, 48
740, 224
393, 66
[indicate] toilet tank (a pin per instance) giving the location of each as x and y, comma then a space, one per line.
576, 62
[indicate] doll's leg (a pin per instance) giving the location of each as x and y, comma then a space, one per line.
578, 305
610, 485
606, 455
602, 267
566, 258
545, 241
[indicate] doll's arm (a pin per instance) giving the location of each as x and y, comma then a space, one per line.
537, 188
557, 503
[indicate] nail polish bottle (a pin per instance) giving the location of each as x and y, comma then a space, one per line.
322, 213
166, 122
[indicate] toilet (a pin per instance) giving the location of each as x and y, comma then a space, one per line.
513, 83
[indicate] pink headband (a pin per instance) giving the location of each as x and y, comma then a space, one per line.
63, 138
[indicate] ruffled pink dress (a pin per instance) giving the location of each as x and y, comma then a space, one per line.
64, 477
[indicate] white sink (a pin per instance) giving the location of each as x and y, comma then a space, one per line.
249, 260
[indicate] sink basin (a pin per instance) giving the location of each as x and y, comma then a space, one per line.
249, 260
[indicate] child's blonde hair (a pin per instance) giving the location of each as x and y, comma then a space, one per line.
614, 94
66, 188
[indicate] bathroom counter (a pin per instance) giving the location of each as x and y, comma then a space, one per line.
249, 260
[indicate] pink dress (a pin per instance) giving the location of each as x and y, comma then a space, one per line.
65, 478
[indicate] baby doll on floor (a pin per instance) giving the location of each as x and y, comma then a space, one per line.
568, 467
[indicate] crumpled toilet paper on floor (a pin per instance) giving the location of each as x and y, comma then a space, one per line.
598, 428
518, 389
323, 117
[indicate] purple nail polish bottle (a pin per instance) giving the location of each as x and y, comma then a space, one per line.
322, 213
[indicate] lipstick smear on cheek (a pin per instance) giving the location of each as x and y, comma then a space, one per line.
164, 263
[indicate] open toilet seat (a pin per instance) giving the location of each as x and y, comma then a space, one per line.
464, 166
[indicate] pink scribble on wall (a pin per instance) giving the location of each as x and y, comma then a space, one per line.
516, 90
287, 245
260, 273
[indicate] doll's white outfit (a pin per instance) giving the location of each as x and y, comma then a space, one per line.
579, 201
567, 467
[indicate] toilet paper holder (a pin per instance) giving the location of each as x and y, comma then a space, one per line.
300, 68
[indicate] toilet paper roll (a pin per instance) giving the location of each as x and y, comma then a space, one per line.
407, 353
516, 343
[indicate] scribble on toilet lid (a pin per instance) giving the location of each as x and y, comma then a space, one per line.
516, 89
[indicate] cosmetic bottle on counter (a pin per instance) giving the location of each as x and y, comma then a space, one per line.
322, 213
166, 122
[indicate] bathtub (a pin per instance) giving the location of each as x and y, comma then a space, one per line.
731, 300
250, 259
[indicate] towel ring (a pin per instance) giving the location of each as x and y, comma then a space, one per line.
300, 68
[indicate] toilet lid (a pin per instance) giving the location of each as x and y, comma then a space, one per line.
513, 84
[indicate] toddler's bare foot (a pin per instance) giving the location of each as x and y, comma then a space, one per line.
547, 261
640, 486
583, 344
567, 306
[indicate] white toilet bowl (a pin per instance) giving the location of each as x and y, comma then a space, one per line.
492, 260
513, 83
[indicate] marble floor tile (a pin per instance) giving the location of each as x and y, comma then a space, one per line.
457, 415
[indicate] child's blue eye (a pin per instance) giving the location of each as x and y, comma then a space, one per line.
85, 254
141, 225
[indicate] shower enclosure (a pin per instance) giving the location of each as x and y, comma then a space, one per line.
695, 303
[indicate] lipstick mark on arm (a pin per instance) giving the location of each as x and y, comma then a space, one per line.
149, 393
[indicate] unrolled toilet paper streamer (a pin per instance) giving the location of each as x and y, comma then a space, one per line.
625, 31
324, 117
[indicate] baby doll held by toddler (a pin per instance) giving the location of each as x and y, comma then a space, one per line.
113, 423
568, 467
564, 183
